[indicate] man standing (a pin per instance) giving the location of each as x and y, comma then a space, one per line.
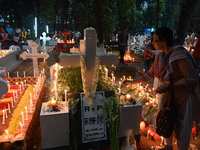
10, 30
122, 43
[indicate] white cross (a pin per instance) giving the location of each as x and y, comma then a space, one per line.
90, 52
44, 39
34, 55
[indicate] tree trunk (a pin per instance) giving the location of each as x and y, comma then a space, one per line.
157, 13
98, 9
184, 20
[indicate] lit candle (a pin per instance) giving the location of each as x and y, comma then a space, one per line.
30, 106
24, 74
25, 83
26, 113
22, 118
148, 132
22, 83
3, 121
17, 74
53, 102
21, 127
162, 139
128, 96
8, 75
106, 74
7, 134
44, 72
9, 106
6, 113
124, 78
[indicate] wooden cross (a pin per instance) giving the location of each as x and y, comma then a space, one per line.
65, 34
34, 55
44, 39
4, 87
90, 52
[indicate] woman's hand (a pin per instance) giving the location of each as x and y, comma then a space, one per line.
163, 88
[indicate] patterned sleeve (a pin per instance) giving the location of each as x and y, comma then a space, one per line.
189, 72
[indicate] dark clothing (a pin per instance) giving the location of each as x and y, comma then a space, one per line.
5, 44
122, 42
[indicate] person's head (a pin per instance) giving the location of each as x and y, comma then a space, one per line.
162, 38
3, 30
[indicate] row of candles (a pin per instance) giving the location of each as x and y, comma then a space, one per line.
17, 73
33, 96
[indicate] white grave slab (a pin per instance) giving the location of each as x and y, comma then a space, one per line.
54, 127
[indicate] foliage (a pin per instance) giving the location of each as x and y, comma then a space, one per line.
111, 109
123, 68
71, 76
73, 138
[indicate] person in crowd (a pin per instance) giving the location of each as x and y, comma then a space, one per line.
77, 36
5, 38
175, 60
148, 58
196, 53
10, 30
191, 41
3, 72
122, 43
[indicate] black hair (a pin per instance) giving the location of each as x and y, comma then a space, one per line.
165, 33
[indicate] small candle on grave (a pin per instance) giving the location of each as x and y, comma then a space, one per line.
26, 113
34, 73
148, 132
24, 83
30, 106
3, 118
8, 75
106, 74
7, 134
22, 117
21, 127
17, 74
44, 72
65, 96
124, 78
128, 97
30, 95
24, 74
53, 102
9, 106
6, 113
162, 140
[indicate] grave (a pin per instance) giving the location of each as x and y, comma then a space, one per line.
64, 45
89, 131
34, 56
44, 40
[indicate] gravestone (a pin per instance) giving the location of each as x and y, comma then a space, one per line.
34, 55
44, 39
4, 87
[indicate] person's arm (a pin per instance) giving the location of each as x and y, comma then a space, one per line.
190, 76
